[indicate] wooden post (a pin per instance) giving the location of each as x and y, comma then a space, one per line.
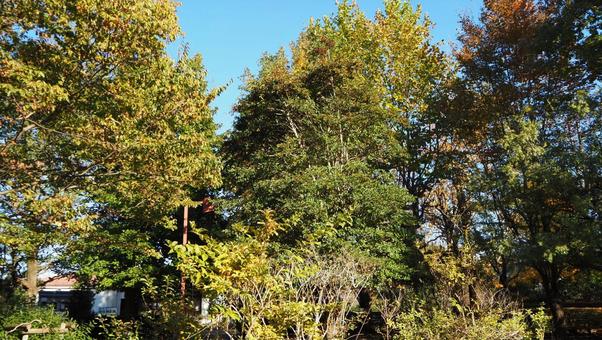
184, 242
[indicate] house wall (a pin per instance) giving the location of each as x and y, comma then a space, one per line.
105, 302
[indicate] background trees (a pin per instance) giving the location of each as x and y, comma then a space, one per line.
366, 165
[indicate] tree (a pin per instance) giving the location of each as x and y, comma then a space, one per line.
96, 118
534, 111
327, 133
414, 74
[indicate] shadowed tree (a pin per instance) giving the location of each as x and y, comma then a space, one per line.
534, 122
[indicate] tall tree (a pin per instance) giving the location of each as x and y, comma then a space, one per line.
413, 73
330, 132
533, 102
95, 117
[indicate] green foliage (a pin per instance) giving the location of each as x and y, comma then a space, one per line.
386, 167
584, 285
39, 317
113, 328
535, 128
439, 324
167, 315
335, 130
99, 125
271, 290
116, 254
432, 317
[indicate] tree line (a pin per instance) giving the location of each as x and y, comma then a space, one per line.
371, 183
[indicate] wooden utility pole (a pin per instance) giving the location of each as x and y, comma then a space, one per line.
184, 242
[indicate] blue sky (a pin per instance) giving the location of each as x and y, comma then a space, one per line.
233, 34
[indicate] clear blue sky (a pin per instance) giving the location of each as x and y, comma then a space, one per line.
233, 34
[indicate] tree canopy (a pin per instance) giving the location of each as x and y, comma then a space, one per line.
372, 183
96, 120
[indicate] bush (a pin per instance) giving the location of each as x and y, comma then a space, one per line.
460, 305
436, 317
39, 317
271, 292
436, 323
166, 316
114, 328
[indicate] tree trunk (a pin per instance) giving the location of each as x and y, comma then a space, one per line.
550, 277
13, 271
504, 273
31, 279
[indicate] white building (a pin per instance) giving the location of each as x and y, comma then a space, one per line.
59, 292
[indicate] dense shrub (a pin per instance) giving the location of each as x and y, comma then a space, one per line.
425, 322
434, 315
114, 328
268, 291
39, 317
